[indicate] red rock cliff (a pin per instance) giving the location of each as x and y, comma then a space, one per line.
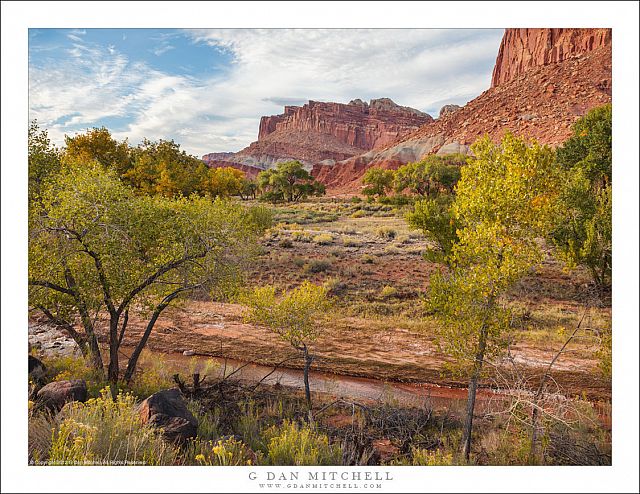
522, 49
357, 124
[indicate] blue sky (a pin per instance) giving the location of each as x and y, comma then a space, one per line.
207, 89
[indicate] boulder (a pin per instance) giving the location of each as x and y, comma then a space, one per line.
54, 395
37, 370
446, 109
168, 411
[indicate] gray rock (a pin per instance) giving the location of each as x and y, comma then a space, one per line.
453, 148
54, 395
447, 109
168, 411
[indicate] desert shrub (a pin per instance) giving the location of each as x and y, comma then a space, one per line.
323, 239
368, 259
301, 236
395, 200
604, 354
249, 425
105, 430
298, 261
386, 232
351, 242
355, 200
286, 243
316, 266
348, 230
359, 214
392, 250
388, 291
209, 421
261, 216
224, 452
426, 458
291, 444
39, 434
335, 286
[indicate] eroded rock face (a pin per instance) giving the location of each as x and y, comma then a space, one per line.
356, 124
168, 411
522, 49
55, 394
323, 132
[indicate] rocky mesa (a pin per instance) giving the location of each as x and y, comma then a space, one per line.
543, 81
325, 132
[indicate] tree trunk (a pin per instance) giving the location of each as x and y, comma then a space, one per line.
535, 434
133, 360
471, 397
114, 366
96, 356
307, 390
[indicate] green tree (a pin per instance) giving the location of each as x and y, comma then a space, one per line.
583, 233
506, 199
294, 316
44, 159
96, 248
431, 175
289, 182
436, 220
589, 148
248, 189
377, 181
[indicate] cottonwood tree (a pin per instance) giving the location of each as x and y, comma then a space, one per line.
583, 234
289, 182
97, 248
161, 167
97, 144
430, 176
295, 316
436, 220
377, 181
506, 200
44, 159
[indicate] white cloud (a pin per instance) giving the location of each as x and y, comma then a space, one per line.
162, 49
418, 68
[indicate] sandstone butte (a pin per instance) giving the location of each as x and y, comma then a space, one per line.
542, 82
323, 132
